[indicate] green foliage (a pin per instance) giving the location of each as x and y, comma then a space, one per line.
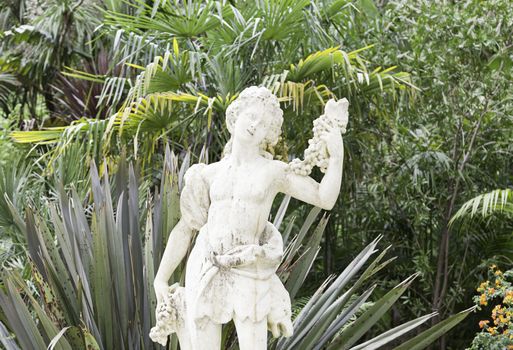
417, 148
188, 74
96, 282
7, 147
486, 204
38, 44
93, 267
411, 171
496, 333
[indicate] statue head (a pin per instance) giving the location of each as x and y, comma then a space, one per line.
256, 103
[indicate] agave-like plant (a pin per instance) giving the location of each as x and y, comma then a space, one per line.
93, 263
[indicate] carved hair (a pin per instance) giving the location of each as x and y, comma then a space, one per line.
270, 106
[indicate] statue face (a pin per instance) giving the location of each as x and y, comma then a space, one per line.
252, 125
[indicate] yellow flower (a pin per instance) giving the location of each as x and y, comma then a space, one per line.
503, 319
483, 286
498, 273
492, 330
497, 310
482, 300
483, 323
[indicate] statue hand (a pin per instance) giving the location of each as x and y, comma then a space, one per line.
229, 261
246, 250
338, 112
162, 289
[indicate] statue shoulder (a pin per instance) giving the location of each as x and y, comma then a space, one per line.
194, 174
280, 167
280, 172
201, 173
194, 198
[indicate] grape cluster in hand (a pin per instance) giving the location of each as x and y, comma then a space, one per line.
335, 117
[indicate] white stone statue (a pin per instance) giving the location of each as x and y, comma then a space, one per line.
231, 270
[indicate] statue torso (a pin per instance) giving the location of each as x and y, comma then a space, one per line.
241, 197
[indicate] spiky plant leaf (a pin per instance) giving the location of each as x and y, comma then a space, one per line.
6, 339
363, 323
425, 338
394, 333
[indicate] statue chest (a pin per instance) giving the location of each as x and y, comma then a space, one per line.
241, 185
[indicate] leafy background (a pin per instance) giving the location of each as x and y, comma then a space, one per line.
431, 105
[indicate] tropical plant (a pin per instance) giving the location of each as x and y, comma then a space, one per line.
491, 212
431, 156
183, 73
496, 201
93, 266
83, 306
46, 37
411, 163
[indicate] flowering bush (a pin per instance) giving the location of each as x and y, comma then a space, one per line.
497, 332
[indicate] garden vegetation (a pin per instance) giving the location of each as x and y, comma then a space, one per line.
105, 104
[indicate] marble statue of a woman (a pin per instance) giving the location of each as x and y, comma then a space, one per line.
231, 270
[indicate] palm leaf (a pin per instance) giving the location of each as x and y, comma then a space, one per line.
486, 204
190, 19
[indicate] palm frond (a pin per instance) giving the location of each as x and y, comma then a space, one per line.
298, 95
350, 72
166, 73
499, 200
281, 17
8, 85
188, 20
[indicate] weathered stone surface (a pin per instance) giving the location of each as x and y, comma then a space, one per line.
231, 271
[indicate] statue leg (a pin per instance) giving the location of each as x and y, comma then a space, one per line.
251, 335
207, 336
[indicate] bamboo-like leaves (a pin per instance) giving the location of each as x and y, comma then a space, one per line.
394, 333
364, 322
327, 318
320, 310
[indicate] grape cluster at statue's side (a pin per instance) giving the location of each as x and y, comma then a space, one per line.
169, 315
316, 154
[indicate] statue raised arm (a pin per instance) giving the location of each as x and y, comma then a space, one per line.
231, 271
